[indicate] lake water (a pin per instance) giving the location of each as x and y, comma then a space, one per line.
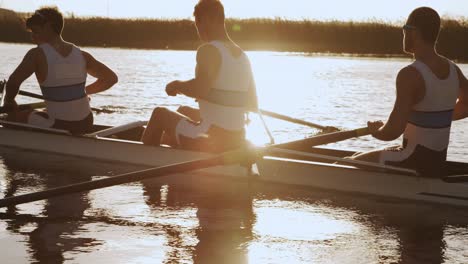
220, 222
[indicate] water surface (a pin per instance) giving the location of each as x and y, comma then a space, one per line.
214, 221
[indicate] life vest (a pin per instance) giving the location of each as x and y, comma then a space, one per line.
64, 87
229, 98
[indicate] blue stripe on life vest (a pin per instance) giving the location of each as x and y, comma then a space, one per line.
64, 93
440, 119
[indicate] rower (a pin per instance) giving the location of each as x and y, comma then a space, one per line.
61, 69
430, 93
223, 86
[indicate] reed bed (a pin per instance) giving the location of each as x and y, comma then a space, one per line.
337, 37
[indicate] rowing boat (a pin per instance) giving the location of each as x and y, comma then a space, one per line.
288, 164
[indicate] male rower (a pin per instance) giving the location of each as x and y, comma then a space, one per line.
430, 93
223, 86
61, 70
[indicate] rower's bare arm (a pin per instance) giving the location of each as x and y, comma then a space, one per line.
461, 108
208, 64
106, 78
26, 68
407, 86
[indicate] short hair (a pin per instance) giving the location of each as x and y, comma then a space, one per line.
47, 15
427, 21
209, 8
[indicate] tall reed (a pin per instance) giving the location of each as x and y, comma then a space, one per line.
372, 37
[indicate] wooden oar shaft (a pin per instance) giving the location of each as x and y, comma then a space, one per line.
291, 119
325, 138
23, 107
32, 95
38, 96
223, 159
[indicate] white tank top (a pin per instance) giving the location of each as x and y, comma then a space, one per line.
431, 119
234, 78
64, 86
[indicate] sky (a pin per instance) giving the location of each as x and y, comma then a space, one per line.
385, 10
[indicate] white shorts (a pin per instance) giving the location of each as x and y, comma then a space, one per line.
189, 130
395, 154
40, 119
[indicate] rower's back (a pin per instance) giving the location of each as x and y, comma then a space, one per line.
234, 78
427, 132
223, 110
64, 85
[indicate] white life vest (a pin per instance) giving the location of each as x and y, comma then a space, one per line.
64, 87
226, 104
430, 121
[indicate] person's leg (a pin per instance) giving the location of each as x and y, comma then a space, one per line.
35, 118
162, 121
20, 117
395, 156
192, 113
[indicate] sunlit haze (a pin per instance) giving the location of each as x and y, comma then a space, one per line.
394, 10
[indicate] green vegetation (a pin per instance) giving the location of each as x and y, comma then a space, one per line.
360, 38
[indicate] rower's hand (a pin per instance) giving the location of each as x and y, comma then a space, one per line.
374, 126
171, 88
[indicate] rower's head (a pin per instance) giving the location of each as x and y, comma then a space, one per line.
421, 29
45, 24
209, 19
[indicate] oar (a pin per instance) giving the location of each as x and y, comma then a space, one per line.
325, 139
298, 121
222, 159
20, 107
38, 96
23, 107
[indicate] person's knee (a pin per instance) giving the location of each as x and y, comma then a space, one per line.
183, 109
159, 113
186, 111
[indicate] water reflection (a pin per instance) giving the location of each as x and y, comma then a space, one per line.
276, 225
300, 226
198, 219
49, 234
224, 212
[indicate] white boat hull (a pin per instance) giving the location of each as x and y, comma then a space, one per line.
271, 169
351, 179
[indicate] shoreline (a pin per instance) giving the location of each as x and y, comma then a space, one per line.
300, 53
336, 38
